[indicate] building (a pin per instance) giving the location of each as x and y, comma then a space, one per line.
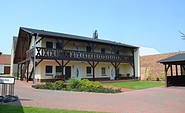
13, 71
5, 64
150, 67
45, 55
176, 66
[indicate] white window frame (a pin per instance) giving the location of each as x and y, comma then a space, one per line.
103, 72
49, 74
88, 74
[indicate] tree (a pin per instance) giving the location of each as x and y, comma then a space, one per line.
0, 53
183, 35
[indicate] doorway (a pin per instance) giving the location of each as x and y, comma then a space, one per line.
7, 70
67, 72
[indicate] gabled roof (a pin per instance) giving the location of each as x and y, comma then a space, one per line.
5, 59
74, 37
176, 59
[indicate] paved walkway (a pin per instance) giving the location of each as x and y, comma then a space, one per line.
154, 100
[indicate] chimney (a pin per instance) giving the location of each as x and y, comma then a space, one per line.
95, 34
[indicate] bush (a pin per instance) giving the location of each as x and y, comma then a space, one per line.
77, 85
89, 84
163, 76
58, 85
48, 85
73, 83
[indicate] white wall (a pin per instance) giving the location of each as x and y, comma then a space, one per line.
137, 63
1, 68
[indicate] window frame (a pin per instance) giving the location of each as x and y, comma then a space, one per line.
103, 50
48, 46
88, 49
87, 69
103, 71
48, 73
58, 72
58, 45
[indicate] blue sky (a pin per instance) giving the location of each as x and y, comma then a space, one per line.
148, 23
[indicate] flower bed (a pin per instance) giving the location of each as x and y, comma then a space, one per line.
78, 85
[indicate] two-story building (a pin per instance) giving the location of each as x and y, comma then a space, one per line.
44, 55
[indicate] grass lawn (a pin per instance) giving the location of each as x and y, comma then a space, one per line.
137, 84
20, 109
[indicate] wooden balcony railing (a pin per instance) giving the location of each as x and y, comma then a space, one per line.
47, 53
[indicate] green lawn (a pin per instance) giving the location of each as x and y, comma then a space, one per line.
19, 109
137, 84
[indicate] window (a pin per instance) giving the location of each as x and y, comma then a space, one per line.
49, 70
49, 44
88, 71
58, 70
59, 46
103, 71
117, 52
102, 50
88, 49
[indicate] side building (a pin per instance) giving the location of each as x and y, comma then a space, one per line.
44, 55
5, 64
151, 69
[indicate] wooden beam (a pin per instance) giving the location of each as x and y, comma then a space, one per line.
35, 67
176, 70
166, 70
18, 72
66, 43
58, 62
93, 66
181, 69
171, 70
113, 64
39, 40
90, 64
21, 73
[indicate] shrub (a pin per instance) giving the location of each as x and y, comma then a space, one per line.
58, 85
73, 83
163, 77
89, 84
148, 74
78, 85
48, 85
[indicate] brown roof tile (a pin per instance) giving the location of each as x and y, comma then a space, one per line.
5, 59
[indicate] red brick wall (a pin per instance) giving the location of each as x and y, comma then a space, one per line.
149, 64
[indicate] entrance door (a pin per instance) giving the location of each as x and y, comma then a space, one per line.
78, 72
67, 72
7, 70
112, 73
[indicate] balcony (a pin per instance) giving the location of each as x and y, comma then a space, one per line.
47, 53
